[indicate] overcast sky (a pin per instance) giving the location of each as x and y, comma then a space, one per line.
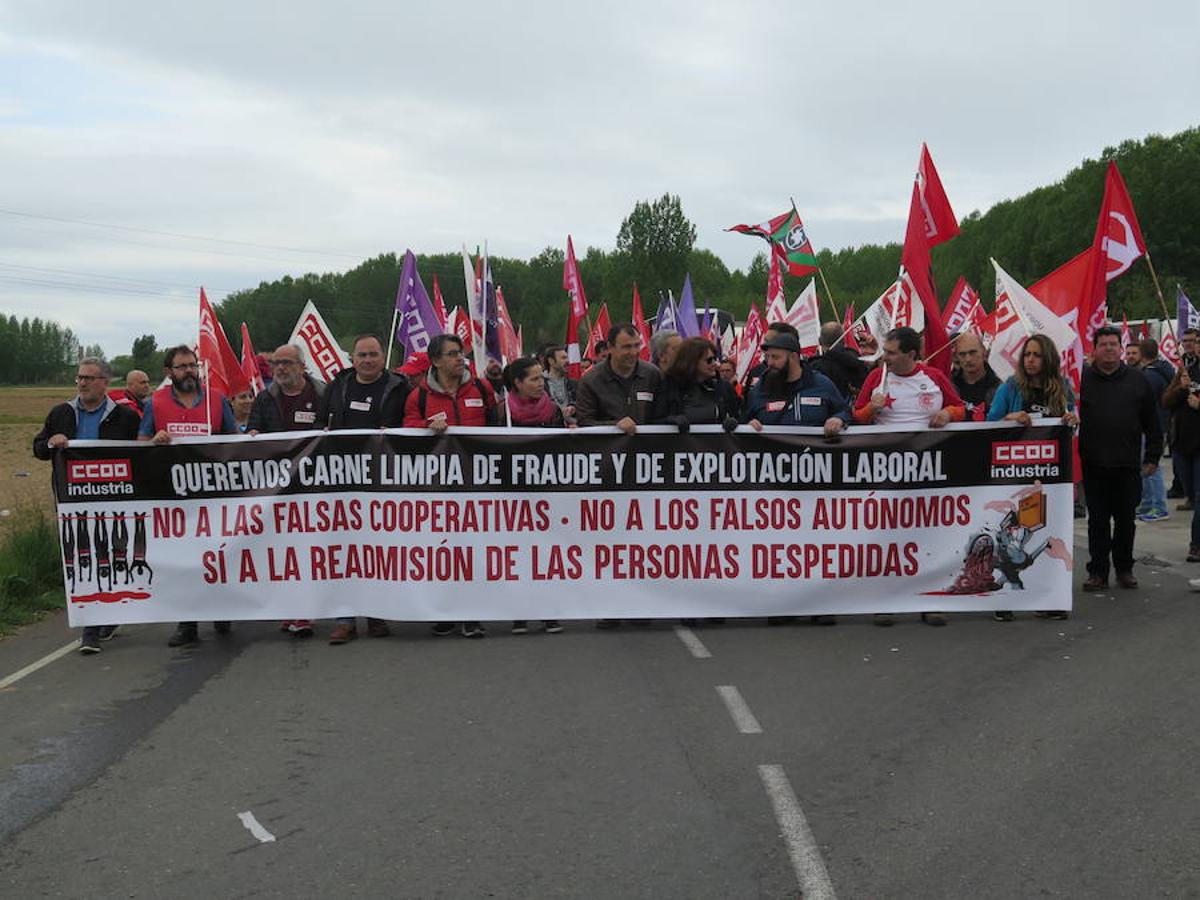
236, 142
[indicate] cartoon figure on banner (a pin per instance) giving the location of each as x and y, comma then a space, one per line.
120, 547
996, 556
139, 549
68, 550
83, 544
103, 560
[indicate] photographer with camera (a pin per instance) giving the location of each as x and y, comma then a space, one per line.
1182, 398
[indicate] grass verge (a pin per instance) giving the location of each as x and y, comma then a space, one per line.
30, 568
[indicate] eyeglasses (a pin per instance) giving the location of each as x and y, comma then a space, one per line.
185, 367
87, 379
283, 363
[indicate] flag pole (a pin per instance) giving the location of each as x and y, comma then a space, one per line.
821, 272
1158, 290
387, 361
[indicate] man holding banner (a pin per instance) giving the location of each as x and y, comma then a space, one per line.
184, 408
906, 392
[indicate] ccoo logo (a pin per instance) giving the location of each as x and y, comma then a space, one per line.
1007, 452
80, 471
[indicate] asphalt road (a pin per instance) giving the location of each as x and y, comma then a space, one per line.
1031, 758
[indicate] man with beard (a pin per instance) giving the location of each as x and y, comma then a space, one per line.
184, 408
974, 379
295, 401
791, 393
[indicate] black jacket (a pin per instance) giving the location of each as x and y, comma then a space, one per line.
842, 366
267, 416
121, 424
391, 409
702, 403
1115, 412
1185, 421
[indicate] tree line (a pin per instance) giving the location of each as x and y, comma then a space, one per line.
36, 351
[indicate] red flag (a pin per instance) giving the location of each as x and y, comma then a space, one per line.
578, 311
940, 223
1117, 244
959, 306
439, 303
510, 345
776, 301
599, 331
639, 322
848, 339
750, 345
930, 222
1169, 348
520, 340
250, 362
1126, 334
1145, 332
223, 368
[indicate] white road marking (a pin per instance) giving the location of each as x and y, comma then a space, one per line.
739, 710
693, 643
34, 666
255, 827
801, 845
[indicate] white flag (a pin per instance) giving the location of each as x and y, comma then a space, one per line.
1018, 315
318, 348
804, 318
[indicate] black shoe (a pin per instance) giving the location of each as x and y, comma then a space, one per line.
89, 644
780, 620
472, 630
222, 627
1175, 493
608, 623
185, 633
823, 620
688, 622
553, 626
443, 629
715, 620
1052, 614
884, 620
1003, 615
936, 619
520, 628
108, 632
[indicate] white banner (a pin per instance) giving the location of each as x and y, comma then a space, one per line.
566, 525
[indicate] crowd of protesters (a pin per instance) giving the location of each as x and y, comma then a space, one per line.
1129, 401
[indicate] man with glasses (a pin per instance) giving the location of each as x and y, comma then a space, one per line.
364, 396
92, 415
184, 408
294, 401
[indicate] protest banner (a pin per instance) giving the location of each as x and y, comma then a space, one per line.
567, 524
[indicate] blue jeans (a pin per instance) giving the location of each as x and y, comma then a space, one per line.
1154, 493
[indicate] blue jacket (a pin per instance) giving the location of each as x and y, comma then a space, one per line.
811, 401
1009, 399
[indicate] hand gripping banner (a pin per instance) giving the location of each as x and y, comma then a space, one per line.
528, 524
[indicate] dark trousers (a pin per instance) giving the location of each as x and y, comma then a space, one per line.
1112, 496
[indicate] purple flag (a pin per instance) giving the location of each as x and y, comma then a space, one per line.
1188, 317
417, 322
667, 318
688, 325
491, 314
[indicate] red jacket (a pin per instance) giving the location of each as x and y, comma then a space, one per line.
471, 404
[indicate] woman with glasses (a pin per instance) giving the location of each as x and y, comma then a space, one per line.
693, 392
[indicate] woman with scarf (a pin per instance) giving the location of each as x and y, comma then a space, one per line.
530, 406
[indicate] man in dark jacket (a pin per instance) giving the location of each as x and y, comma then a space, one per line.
1116, 412
365, 396
791, 393
622, 390
973, 378
295, 401
839, 363
1158, 373
92, 415
1182, 399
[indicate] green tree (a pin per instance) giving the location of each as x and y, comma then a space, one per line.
657, 238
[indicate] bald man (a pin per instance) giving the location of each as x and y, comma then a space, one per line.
137, 391
973, 378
